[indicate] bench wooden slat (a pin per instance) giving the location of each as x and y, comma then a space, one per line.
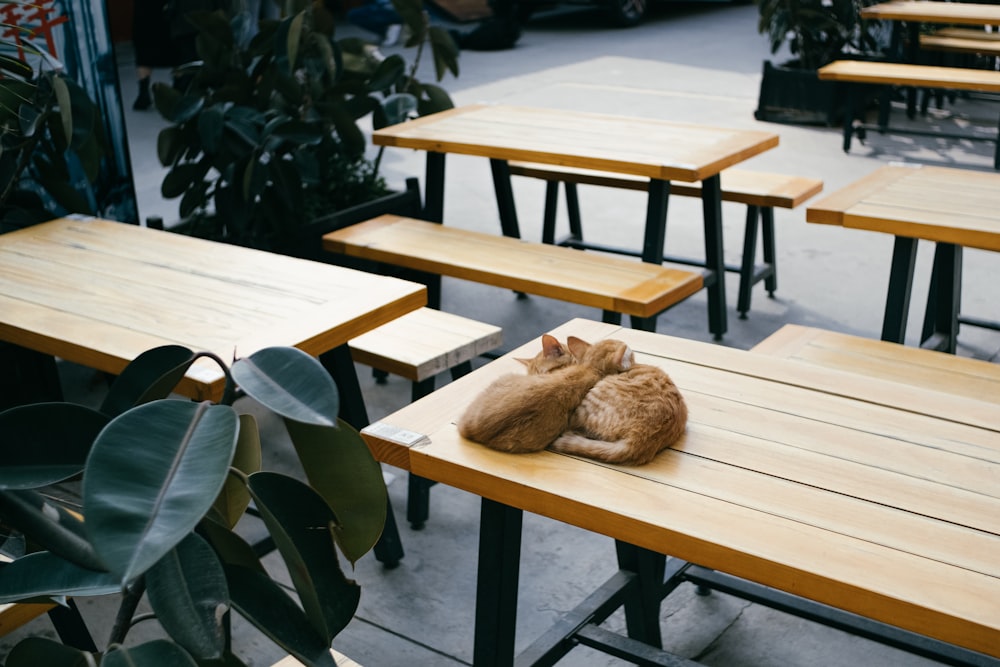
968, 33
586, 278
904, 74
990, 47
738, 185
970, 378
424, 343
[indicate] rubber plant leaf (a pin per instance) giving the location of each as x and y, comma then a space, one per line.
152, 474
35, 651
263, 603
65, 106
234, 498
341, 468
43, 574
289, 382
155, 653
46, 443
150, 376
49, 525
229, 547
388, 72
398, 107
301, 524
445, 51
188, 593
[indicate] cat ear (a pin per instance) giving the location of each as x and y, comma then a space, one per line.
626, 359
577, 346
526, 362
551, 347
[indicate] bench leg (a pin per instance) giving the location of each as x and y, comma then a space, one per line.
573, 211
897, 301
749, 261
496, 588
940, 329
770, 256
711, 199
849, 105
434, 187
549, 217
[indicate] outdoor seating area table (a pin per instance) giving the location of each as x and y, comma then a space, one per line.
98, 293
866, 495
659, 150
955, 208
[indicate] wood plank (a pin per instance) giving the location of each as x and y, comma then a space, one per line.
905, 74
963, 13
586, 278
990, 47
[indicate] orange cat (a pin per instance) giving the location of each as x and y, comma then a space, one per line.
626, 418
525, 413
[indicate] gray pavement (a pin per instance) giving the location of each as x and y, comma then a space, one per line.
690, 62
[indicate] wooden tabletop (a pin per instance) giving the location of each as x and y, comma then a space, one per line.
640, 146
817, 482
98, 293
934, 11
934, 203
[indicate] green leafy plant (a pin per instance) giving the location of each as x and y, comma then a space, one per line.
162, 483
264, 135
51, 139
817, 31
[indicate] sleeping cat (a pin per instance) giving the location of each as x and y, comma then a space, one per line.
626, 418
525, 413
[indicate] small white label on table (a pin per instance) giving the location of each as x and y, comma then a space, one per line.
397, 435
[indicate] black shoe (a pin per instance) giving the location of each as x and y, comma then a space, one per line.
144, 101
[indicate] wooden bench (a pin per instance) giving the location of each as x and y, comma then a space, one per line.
760, 191
418, 346
616, 285
983, 44
884, 360
863, 72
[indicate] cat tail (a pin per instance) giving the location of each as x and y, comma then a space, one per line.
617, 451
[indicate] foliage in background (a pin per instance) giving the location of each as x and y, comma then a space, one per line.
817, 31
51, 138
164, 481
264, 135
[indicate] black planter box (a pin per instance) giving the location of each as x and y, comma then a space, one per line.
798, 96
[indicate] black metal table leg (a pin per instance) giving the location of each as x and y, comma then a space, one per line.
940, 329
338, 363
496, 589
505, 198
642, 609
897, 301
434, 187
711, 198
749, 260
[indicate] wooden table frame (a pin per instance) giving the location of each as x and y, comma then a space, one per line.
959, 209
659, 150
829, 469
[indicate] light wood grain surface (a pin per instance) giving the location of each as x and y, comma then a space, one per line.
641, 146
834, 486
905, 74
935, 11
934, 203
99, 293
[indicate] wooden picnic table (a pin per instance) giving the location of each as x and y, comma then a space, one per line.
659, 150
831, 486
954, 208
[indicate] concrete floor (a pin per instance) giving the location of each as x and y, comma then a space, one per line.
694, 62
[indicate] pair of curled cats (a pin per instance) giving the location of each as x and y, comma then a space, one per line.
583, 399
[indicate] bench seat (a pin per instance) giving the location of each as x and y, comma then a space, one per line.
614, 284
865, 72
973, 45
762, 192
884, 360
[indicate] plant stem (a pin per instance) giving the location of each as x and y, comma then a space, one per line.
126, 611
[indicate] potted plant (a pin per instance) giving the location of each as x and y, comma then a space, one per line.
162, 483
816, 32
265, 138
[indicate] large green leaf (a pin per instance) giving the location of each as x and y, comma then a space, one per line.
343, 471
301, 524
187, 590
45, 443
150, 376
35, 651
262, 602
49, 525
155, 653
234, 498
289, 382
231, 548
152, 475
65, 106
43, 574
